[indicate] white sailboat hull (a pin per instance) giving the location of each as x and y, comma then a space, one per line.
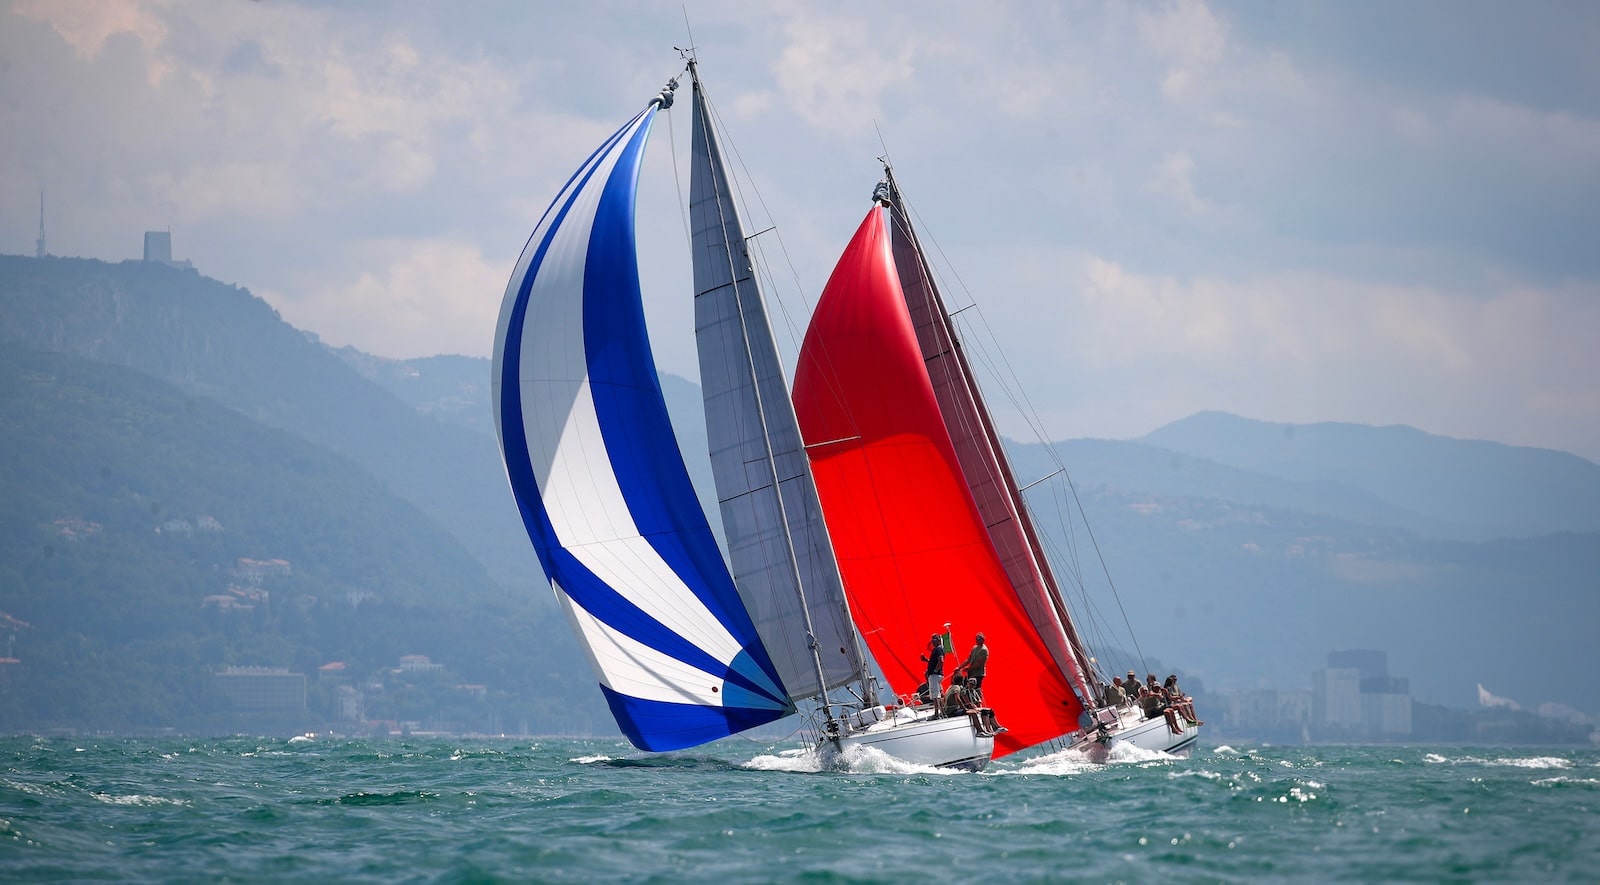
916, 737
1131, 728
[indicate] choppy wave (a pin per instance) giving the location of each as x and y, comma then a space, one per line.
135, 799
1535, 762
1561, 780
850, 760
599, 811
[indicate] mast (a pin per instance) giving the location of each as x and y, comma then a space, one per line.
38, 245
982, 454
781, 555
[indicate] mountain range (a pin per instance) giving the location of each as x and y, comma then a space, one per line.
1240, 551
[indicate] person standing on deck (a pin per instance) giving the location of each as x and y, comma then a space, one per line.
935, 671
977, 661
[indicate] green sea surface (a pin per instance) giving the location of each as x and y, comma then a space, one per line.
531, 810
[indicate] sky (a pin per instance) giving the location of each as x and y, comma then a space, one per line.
1381, 213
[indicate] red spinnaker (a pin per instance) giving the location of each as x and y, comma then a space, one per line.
912, 549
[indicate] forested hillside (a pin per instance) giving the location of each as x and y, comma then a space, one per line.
189, 407
218, 341
137, 522
130, 504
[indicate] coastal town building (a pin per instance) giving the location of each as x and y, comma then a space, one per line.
262, 689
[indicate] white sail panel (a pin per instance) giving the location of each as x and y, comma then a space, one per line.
621, 557
635, 669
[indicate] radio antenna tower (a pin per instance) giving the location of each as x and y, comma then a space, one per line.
38, 245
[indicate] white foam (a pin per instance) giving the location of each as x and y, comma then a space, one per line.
1533, 762
590, 760
1090, 756
136, 800
1201, 773
1060, 763
854, 759
1564, 779
786, 760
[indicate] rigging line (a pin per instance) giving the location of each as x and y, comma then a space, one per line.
1090, 608
1087, 606
677, 180
983, 344
885, 158
687, 51
972, 301
1095, 543
976, 432
1012, 384
997, 461
946, 361
1066, 520
923, 226
1030, 415
782, 246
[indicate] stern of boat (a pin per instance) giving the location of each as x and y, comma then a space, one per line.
1127, 725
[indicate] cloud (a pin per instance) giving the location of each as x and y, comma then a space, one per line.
416, 298
86, 25
1188, 38
1174, 177
1304, 347
833, 71
1302, 215
229, 190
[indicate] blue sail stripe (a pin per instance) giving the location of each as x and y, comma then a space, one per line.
752, 691
660, 726
622, 615
585, 170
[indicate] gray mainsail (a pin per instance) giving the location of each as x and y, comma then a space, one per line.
982, 455
783, 563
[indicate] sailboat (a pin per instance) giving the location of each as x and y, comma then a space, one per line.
689, 645
928, 519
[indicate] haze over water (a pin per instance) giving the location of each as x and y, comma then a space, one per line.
260, 809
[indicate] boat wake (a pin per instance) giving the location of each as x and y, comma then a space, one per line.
1076, 760
851, 760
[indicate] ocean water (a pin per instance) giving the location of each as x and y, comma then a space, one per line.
454, 810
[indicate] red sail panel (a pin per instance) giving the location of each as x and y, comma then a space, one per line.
912, 549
